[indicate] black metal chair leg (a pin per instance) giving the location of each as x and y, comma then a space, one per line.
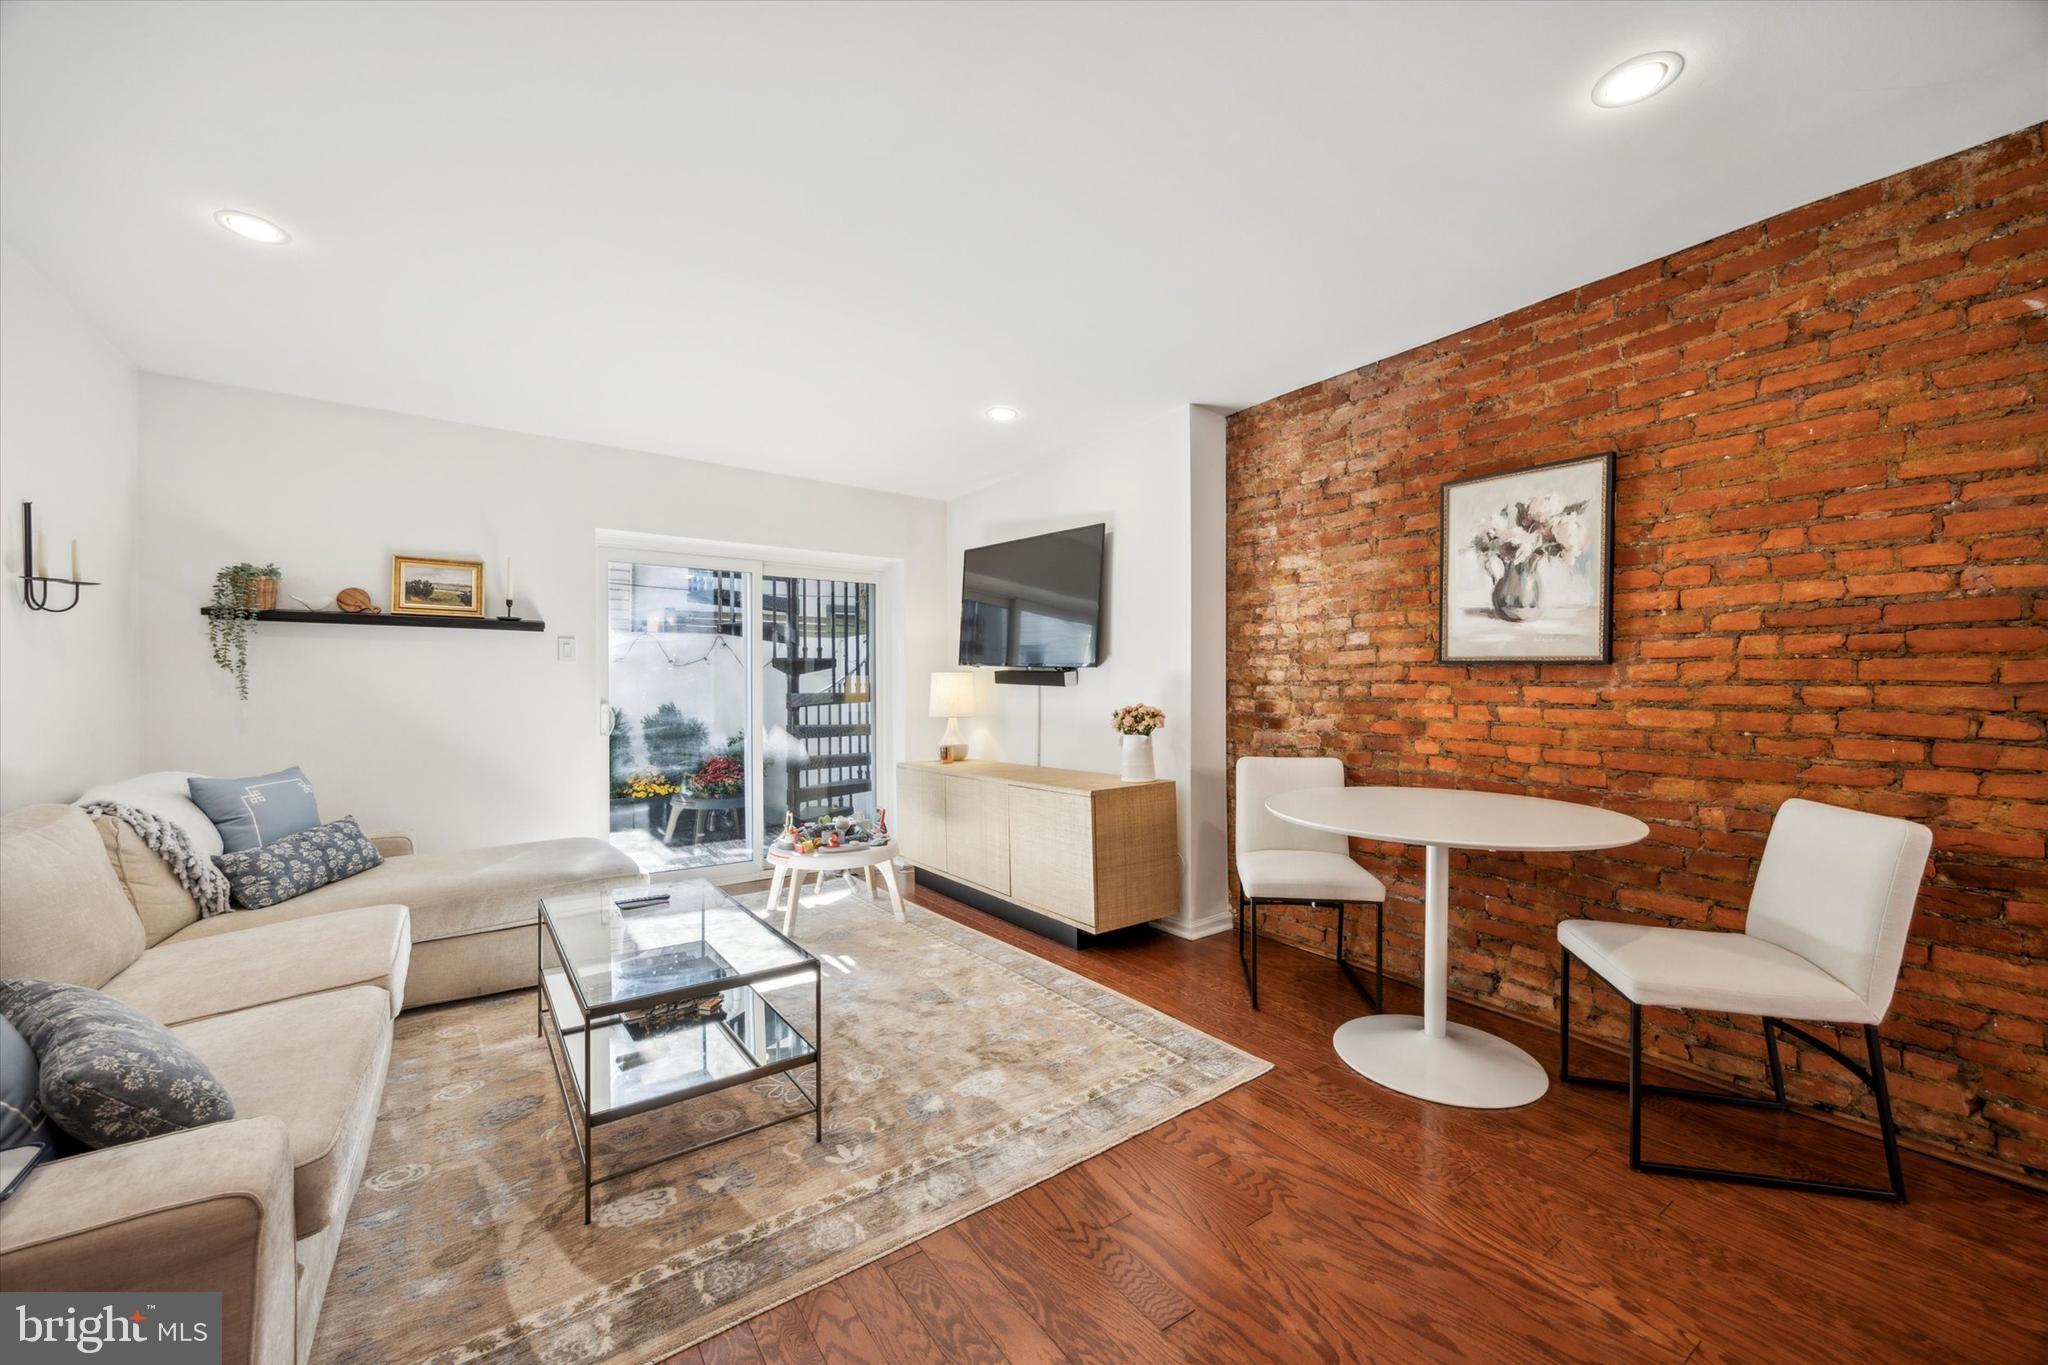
1771, 1051
1635, 1086
1374, 996
1885, 1125
1564, 1015
1254, 954
1248, 925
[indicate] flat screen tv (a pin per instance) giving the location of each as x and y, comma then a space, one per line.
1034, 603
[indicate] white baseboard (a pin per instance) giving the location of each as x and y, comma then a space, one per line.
1214, 923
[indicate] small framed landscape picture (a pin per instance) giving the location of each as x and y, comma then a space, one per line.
437, 587
1528, 565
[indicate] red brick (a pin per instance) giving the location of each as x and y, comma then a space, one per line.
1899, 584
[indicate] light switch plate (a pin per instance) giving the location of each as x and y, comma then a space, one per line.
565, 648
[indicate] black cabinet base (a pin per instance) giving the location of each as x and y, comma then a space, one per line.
1045, 926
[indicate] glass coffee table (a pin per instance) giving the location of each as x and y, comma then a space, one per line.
648, 1007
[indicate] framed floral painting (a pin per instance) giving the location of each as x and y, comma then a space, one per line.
1528, 565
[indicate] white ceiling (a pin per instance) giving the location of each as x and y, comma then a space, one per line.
822, 239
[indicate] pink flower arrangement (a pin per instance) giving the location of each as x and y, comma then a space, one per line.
1544, 527
1139, 719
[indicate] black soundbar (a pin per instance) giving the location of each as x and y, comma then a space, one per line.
1037, 677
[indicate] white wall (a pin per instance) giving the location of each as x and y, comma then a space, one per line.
456, 737
1159, 488
70, 692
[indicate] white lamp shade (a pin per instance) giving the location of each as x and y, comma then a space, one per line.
952, 695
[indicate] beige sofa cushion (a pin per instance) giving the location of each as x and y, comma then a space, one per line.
63, 915
177, 982
318, 1063
160, 900
467, 891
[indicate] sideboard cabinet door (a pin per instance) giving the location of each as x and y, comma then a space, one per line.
1052, 852
920, 820
978, 832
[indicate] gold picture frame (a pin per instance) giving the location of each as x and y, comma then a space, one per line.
424, 586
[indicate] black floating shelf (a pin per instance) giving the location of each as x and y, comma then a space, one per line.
345, 618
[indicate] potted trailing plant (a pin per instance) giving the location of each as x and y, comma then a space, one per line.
1136, 724
239, 592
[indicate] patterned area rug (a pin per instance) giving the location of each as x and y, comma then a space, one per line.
959, 1070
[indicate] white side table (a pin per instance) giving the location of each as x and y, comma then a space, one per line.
1426, 1055
792, 867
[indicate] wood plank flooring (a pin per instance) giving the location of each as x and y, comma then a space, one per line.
1313, 1216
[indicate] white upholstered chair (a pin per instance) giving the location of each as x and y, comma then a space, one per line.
1283, 864
1825, 934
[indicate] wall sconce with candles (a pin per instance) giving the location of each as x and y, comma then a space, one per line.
35, 574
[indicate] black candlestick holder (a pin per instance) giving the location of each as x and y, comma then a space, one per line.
35, 587
508, 616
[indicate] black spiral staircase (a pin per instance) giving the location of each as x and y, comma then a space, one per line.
820, 636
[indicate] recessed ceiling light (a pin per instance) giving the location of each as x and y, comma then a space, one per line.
250, 226
1636, 79
1001, 414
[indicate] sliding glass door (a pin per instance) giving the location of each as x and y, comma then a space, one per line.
680, 706
735, 695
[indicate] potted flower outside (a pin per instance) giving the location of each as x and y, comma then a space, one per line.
642, 798
719, 776
717, 786
1136, 724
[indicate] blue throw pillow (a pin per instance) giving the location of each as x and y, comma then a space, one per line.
250, 812
297, 863
108, 1074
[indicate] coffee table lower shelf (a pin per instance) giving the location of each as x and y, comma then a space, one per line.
616, 1068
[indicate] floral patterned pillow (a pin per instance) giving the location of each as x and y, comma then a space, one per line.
297, 863
106, 1074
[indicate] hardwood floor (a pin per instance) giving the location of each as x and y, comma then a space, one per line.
1312, 1215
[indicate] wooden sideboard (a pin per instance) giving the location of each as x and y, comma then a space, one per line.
1085, 849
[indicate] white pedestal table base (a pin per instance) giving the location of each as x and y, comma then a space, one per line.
1466, 1066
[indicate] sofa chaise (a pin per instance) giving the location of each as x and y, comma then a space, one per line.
473, 910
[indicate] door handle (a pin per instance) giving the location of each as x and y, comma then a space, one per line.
607, 718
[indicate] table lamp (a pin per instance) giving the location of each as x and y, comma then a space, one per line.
952, 697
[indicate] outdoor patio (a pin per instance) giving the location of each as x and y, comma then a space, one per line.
654, 856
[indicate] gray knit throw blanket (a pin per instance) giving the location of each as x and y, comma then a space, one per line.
203, 881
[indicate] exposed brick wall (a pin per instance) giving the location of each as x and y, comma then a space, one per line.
1831, 581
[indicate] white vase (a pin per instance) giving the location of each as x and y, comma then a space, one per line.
1138, 758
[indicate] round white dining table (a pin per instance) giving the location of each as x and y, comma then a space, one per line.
1427, 1056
